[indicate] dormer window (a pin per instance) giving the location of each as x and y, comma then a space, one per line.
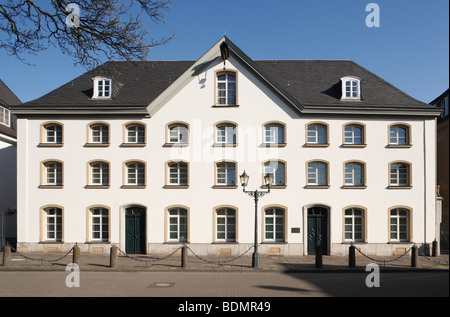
4, 116
102, 88
351, 88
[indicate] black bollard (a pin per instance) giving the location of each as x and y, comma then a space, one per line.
318, 256
414, 256
351, 256
435, 249
184, 256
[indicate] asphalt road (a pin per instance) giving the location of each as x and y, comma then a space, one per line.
221, 284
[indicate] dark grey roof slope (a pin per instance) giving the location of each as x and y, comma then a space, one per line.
317, 83
7, 99
139, 82
307, 85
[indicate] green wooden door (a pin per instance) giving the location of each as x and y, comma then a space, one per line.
317, 229
135, 230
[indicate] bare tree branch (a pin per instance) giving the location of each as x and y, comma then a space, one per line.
103, 29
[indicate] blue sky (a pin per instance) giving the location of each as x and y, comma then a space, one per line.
410, 49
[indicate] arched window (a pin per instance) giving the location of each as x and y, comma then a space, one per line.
177, 133
354, 224
225, 224
399, 135
177, 174
177, 224
317, 134
99, 220
53, 224
135, 173
400, 174
225, 174
134, 134
226, 133
354, 134
51, 134
52, 173
354, 174
399, 224
274, 134
278, 171
98, 173
317, 173
274, 224
226, 89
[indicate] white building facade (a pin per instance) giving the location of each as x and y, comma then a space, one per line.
97, 168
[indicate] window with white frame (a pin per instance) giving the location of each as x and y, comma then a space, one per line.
226, 225
351, 88
226, 174
5, 116
178, 173
274, 133
99, 224
226, 133
53, 173
354, 174
353, 134
399, 174
354, 225
399, 135
178, 134
102, 87
317, 174
53, 225
135, 134
135, 173
178, 224
99, 173
99, 133
317, 134
53, 133
226, 89
274, 224
278, 170
399, 225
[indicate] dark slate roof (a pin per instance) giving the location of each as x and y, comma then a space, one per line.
136, 85
7, 99
317, 83
305, 83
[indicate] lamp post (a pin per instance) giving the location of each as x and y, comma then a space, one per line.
268, 179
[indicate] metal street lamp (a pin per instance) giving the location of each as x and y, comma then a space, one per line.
268, 180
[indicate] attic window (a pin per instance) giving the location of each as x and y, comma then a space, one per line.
351, 88
4, 116
102, 88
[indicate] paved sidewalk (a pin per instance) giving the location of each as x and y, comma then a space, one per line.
269, 263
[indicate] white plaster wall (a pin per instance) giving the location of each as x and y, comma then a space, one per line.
257, 105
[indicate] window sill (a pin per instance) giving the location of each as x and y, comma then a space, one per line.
274, 242
317, 144
354, 242
225, 106
51, 144
97, 242
133, 144
225, 144
354, 145
133, 186
274, 186
51, 186
97, 145
176, 144
274, 144
176, 242
317, 186
399, 146
50, 242
176, 186
399, 187
225, 186
224, 242
97, 186
353, 187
